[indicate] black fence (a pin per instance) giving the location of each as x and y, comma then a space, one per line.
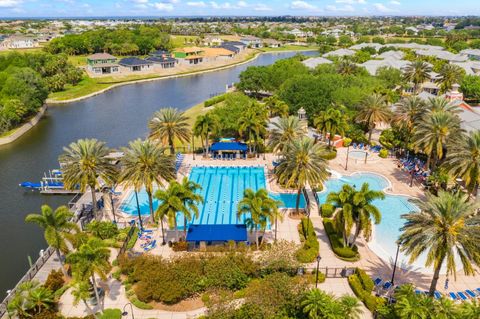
333, 272
123, 249
307, 201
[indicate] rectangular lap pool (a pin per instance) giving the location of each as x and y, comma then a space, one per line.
222, 189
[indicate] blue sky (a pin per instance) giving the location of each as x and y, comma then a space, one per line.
71, 8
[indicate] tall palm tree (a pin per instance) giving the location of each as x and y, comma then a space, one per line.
145, 164
190, 199
434, 132
332, 121
80, 291
436, 104
408, 112
319, 304
276, 107
83, 162
57, 226
373, 110
450, 74
356, 208
445, 226
204, 126
463, 160
252, 125
167, 125
259, 208
284, 131
417, 72
351, 307
89, 260
303, 163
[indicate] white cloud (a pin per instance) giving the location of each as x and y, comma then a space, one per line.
302, 5
351, 1
395, 2
197, 4
345, 8
225, 5
140, 1
381, 8
262, 7
242, 4
9, 3
162, 6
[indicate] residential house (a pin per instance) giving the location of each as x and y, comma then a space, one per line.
212, 41
19, 42
442, 55
214, 54
162, 58
312, 63
102, 63
271, 43
396, 55
470, 67
376, 46
372, 66
189, 55
339, 53
134, 64
237, 44
252, 42
473, 54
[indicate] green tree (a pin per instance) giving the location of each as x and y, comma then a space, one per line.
276, 107
145, 164
167, 125
190, 199
450, 74
252, 125
445, 226
80, 291
332, 121
57, 227
470, 86
346, 67
318, 304
89, 260
204, 126
417, 72
83, 162
372, 110
302, 163
284, 132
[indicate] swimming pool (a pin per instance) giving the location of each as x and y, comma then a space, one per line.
392, 207
357, 154
222, 189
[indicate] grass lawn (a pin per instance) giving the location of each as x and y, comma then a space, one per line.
78, 60
290, 48
179, 40
32, 50
192, 114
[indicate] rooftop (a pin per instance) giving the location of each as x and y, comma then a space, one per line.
101, 56
132, 61
312, 63
340, 53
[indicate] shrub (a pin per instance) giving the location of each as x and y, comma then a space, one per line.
336, 241
133, 239
347, 141
140, 304
57, 294
54, 280
103, 229
180, 246
366, 281
45, 314
362, 287
111, 314
327, 210
383, 153
310, 248
356, 286
214, 100
330, 154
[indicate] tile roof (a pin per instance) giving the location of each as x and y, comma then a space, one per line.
101, 56
133, 61
312, 63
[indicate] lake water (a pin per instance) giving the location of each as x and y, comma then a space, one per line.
116, 117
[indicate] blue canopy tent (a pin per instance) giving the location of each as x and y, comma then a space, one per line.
227, 148
217, 233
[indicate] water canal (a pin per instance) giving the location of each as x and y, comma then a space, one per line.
117, 117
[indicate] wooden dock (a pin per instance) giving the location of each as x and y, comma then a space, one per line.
52, 191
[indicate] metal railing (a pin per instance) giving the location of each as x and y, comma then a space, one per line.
27, 277
123, 249
333, 272
307, 201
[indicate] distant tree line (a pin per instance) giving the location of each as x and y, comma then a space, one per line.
25, 81
139, 40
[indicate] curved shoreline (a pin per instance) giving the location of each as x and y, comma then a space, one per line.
20, 131
172, 76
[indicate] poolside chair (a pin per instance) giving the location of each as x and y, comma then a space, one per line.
453, 296
462, 295
478, 291
437, 295
470, 293
354, 145
377, 281
418, 292
360, 146
387, 285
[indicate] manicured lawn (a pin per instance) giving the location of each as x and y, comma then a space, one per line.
290, 48
32, 50
86, 86
78, 60
179, 40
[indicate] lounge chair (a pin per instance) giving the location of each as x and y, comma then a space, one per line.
418, 292
354, 145
478, 291
462, 296
437, 295
377, 281
387, 285
453, 296
470, 293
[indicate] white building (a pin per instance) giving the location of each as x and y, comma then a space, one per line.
19, 42
312, 63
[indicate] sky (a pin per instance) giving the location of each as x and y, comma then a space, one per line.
96, 8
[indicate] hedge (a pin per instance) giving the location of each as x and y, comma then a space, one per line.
362, 286
327, 210
336, 241
383, 153
347, 141
310, 245
214, 100
111, 314
133, 239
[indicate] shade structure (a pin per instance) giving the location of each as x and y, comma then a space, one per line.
228, 146
237, 233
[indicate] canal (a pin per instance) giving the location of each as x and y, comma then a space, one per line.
116, 117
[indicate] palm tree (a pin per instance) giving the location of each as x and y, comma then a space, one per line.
470, 310
437, 104
408, 112
145, 164
450, 74
351, 307
434, 132
444, 227
319, 304
167, 125
89, 260
417, 72
190, 199
83, 162
260, 208
204, 126
284, 131
463, 160
80, 291
41, 298
30, 296
346, 67
276, 107
252, 125
303, 163
332, 121
57, 226
356, 208
373, 109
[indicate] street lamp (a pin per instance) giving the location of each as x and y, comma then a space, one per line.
124, 313
138, 210
346, 162
395, 264
193, 146
366, 154
318, 266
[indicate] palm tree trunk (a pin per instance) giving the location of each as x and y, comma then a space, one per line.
59, 256
94, 282
355, 236
207, 146
297, 204
185, 227
428, 161
89, 309
94, 200
370, 131
256, 236
163, 231
176, 227
263, 235
436, 275
172, 147
150, 204
276, 226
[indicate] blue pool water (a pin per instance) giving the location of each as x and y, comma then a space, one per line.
222, 189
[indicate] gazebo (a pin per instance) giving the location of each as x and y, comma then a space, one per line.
228, 150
